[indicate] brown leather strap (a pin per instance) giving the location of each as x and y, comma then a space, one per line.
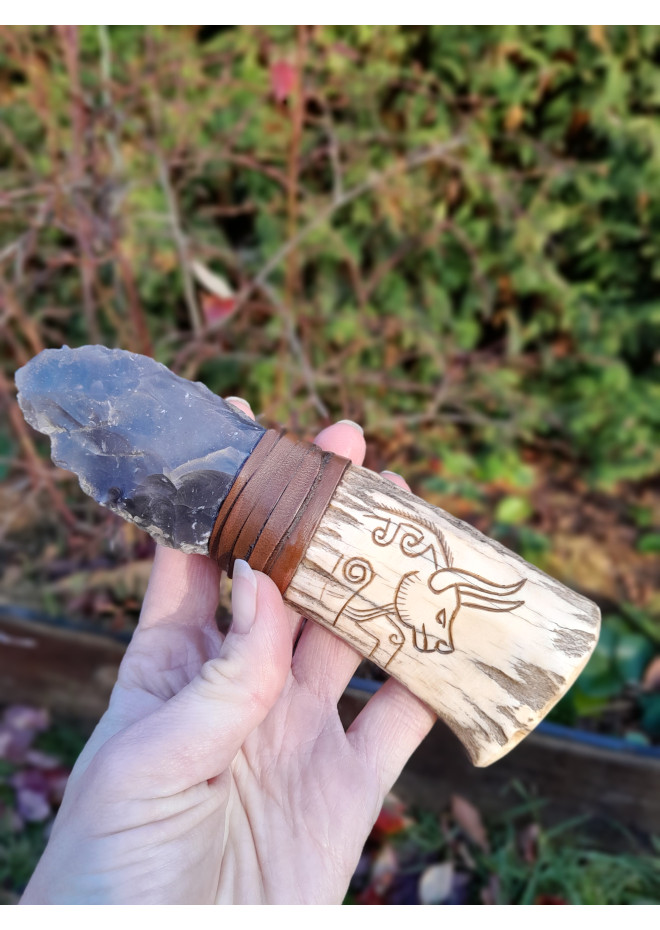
251, 465
275, 505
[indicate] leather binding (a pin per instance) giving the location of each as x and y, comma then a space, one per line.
275, 506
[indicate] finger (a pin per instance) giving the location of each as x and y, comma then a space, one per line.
182, 588
175, 630
396, 479
196, 735
344, 438
389, 729
322, 661
241, 404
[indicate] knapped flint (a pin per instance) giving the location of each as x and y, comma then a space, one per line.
154, 448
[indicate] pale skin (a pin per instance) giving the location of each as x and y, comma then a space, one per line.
221, 772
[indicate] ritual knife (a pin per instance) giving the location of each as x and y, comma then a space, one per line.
485, 639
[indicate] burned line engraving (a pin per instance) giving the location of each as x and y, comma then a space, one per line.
425, 623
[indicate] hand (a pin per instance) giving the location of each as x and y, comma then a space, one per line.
221, 772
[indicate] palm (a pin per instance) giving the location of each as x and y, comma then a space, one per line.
313, 790
284, 810
221, 771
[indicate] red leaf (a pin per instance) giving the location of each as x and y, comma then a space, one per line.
391, 819
282, 79
217, 308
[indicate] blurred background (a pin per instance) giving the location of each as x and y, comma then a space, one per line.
450, 234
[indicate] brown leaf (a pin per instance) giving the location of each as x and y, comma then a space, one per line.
469, 820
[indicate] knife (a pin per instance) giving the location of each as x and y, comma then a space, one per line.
485, 639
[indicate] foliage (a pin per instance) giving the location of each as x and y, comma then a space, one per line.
413, 857
446, 233
614, 675
473, 211
35, 760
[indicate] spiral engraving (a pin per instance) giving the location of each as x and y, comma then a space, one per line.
384, 535
412, 541
358, 571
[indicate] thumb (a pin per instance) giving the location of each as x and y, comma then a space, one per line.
197, 733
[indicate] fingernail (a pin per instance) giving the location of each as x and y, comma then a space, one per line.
243, 597
394, 474
241, 400
353, 424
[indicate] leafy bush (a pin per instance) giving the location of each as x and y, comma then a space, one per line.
453, 227
447, 233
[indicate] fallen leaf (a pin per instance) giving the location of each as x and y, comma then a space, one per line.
32, 791
32, 806
13, 743
469, 820
41, 760
392, 818
435, 883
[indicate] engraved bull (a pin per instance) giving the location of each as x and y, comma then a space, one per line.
409, 606
431, 621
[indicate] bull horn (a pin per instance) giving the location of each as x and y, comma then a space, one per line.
488, 603
468, 582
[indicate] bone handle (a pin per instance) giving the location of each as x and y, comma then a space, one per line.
486, 640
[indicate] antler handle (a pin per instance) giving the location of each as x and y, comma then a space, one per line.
488, 641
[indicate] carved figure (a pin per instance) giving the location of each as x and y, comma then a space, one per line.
408, 606
455, 588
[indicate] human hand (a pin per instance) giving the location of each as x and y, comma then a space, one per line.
221, 772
